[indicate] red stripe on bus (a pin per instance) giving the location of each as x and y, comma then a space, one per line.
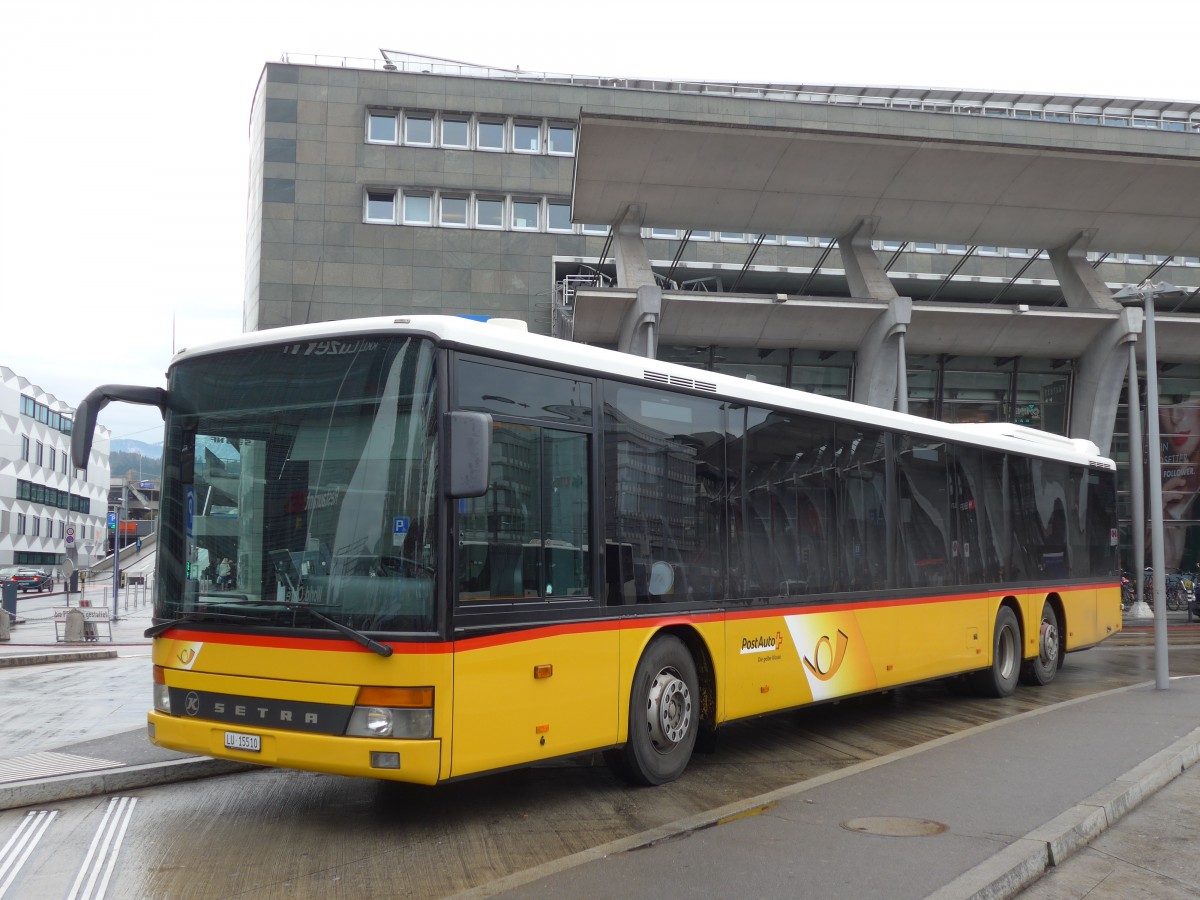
337, 645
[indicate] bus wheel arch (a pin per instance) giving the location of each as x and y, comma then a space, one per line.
672, 686
1041, 669
1000, 678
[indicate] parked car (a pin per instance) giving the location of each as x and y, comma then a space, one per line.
27, 579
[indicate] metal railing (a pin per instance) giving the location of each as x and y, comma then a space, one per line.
1116, 112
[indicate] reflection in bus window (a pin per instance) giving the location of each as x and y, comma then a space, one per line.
665, 465
527, 537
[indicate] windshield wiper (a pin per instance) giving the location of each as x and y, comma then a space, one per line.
155, 630
357, 636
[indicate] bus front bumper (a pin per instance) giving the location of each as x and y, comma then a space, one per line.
412, 761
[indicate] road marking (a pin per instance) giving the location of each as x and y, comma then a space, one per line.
33, 825
47, 764
102, 854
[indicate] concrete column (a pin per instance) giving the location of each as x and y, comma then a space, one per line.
878, 359
864, 271
1099, 378
639, 327
1081, 286
633, 263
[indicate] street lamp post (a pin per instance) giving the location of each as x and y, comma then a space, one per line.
1147, 294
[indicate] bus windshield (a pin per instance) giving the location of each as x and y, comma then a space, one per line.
302, 479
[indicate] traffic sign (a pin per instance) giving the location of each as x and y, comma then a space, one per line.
70, 531
112, 520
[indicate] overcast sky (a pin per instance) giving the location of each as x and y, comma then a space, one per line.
123, 125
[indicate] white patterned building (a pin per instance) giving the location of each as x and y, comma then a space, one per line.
49, 510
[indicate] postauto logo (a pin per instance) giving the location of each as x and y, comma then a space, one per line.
762, 643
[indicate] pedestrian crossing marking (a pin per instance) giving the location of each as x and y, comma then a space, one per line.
49, 764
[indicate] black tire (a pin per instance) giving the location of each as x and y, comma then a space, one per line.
1043, 667
1000, 680
664, 715
1174, 599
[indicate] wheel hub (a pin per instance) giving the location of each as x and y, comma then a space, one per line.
1048, 645
668, 709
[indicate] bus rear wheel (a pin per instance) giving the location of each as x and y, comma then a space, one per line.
664, 715
1042, 668
1000, 680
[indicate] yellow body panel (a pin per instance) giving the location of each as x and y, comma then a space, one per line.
505, 716
420, 761
525, 696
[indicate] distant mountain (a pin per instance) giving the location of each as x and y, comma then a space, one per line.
125, 445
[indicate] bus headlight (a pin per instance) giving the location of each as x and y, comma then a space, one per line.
162, 697
385, 712
381, 722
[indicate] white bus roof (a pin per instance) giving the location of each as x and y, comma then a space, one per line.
491, 337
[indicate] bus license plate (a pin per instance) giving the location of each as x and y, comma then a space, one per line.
235, 740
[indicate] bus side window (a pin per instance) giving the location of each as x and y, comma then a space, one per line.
528, 536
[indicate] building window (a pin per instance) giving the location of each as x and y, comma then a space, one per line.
525, 215
40, 456
418, 129
455, 132
732, 236
53, 459
561, 139
381, 128
418, 209
595, 229
25, 447
20, 523
489, 213
453, 212
664, 233
559, 217
489, 134
527, 137
62, 530
37, 526
381, 206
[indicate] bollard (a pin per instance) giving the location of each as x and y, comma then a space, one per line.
74, 628
5, 628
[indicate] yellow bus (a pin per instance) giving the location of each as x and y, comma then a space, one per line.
426, 548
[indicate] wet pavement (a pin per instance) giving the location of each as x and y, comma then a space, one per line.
1096, 796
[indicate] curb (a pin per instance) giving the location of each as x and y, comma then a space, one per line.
38, 659
72, 787
1027, 859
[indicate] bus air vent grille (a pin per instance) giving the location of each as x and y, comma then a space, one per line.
679, 381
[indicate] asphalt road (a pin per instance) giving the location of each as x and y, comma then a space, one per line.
279, 833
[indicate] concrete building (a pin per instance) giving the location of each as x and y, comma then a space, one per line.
949, 252
49, 510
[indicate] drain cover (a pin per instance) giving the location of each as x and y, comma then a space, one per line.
894, 826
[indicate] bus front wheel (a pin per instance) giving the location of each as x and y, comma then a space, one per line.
664, 714
1042, 668
1001, 679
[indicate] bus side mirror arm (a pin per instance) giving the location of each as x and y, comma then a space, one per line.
467, 453
89, 408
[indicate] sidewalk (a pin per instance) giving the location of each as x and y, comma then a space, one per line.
89, 736
981, 813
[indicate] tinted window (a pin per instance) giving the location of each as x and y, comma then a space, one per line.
527, 537
862, 500
665, 488
783, 496
487, 387
925, 556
